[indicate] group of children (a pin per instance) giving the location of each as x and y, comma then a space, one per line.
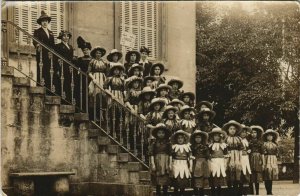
231, 156
184, 147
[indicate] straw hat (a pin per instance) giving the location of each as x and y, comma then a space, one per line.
206, 103
217, 130
112, 53
43, 16
258, 129
180, 132
201, 133
167, 109
161, 126
129, 53
211, 113
135, 66
176, 80
147, 90
190, 94
154, 101
176, 101
234, 123
270, 132
116, 66
184, 109
163, 86
98, 48
133, 79
64, 32
160, 65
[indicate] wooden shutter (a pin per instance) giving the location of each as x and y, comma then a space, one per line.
141, 19
26, 14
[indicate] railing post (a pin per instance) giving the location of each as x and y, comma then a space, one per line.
4, 45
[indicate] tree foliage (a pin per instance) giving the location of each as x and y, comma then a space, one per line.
248, 61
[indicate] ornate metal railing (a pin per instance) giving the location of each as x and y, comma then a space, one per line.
105, 111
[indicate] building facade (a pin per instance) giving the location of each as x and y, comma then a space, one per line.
168, 29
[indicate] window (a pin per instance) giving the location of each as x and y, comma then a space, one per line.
26, 14
141, 19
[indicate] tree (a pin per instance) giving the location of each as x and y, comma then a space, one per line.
248, 63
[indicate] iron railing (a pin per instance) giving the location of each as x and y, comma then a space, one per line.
106, 112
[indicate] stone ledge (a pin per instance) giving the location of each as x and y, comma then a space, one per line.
123, 157
145, 176
37, 90
93, 133
103, 141
67, 109
52, 100
81, 117
7, 71
21, 81
133, 166
112, 149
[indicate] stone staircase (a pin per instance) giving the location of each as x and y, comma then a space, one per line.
39, 134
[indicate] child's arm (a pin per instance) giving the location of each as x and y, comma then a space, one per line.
152, 163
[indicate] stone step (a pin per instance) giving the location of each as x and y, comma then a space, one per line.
67, 109
21, 81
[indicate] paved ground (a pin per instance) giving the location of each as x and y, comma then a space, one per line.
281, 188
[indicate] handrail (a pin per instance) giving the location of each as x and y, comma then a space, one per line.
68, 62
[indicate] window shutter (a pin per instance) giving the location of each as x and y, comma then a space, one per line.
141, 18
26, 14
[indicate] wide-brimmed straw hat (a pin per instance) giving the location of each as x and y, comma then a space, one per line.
203, 134
176, 101
161, 126
234, 123
160, 65
206, 103
259, 130
64, 32
163, 86
154, 101
211, 113
217, 130
270, 132
176, 80
129, 53
190, 94
132, 79
43, 16
112, 53
147, 90
246, 128
116, 66
184, 109
180, 132
133, 67
98, 48
167, 109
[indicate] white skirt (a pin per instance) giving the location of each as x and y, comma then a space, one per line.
245, 164
217, 167
181, 169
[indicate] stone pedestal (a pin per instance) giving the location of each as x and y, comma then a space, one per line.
61, 185
24, 187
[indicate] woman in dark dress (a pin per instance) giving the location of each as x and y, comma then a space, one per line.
66, 50
81, 80
44, 35
131, 58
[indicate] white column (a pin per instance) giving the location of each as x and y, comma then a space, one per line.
181, 42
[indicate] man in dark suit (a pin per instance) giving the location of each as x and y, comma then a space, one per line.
144, 61
44, 35
67, 51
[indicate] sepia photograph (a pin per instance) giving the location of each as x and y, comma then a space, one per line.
150, 98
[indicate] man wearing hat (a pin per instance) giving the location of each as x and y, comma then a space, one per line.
44, 35
81, 81
144, 60
66, 50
